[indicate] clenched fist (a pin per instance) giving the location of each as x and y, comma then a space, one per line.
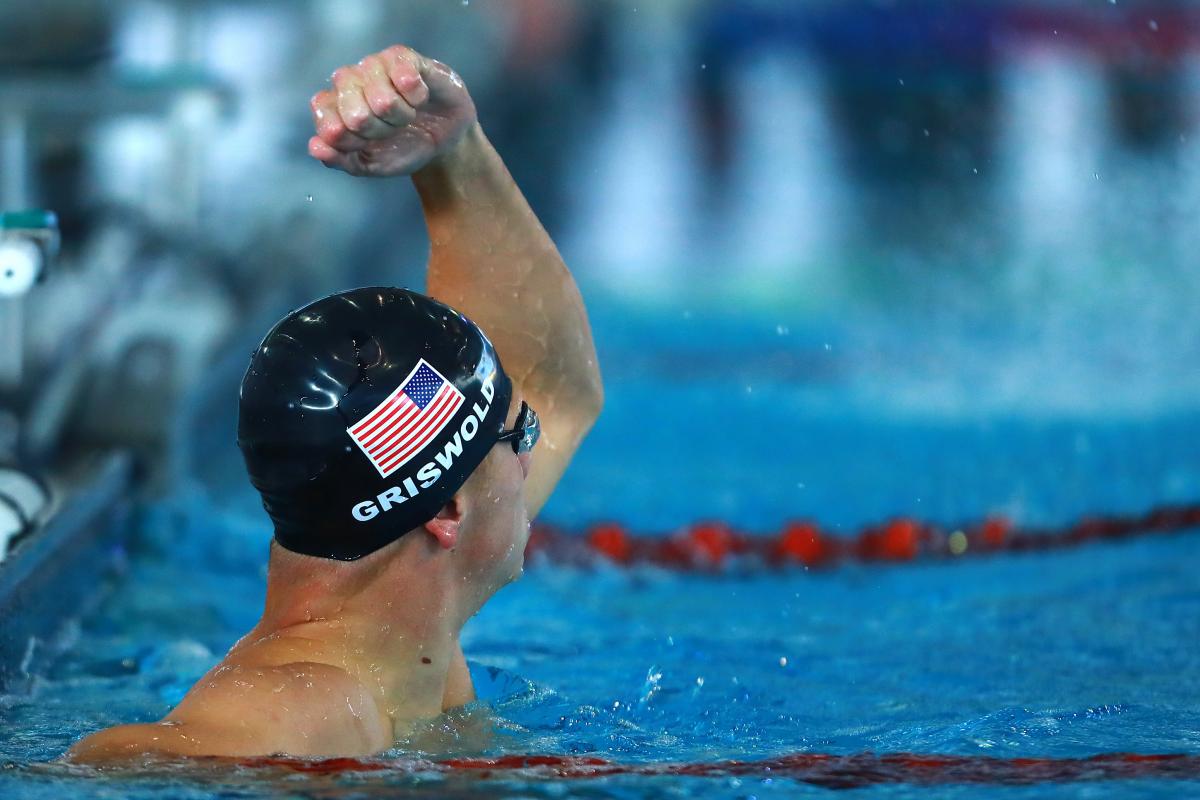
390, 114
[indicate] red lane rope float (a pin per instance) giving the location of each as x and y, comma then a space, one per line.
831, 771
711, 545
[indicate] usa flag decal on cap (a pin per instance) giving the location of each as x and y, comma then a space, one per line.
409, 419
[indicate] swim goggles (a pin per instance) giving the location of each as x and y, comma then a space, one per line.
526, 431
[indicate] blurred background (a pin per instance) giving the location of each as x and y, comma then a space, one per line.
846, 218
845, 260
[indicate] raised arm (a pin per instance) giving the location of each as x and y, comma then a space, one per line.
398, 113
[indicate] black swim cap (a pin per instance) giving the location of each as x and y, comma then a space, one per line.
363, 413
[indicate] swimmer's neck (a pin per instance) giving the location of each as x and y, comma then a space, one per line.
393, 625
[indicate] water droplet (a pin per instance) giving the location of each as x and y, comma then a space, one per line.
308, 198
783, 661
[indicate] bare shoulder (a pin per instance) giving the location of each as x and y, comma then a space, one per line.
300, 708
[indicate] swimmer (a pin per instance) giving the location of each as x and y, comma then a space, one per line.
399, 453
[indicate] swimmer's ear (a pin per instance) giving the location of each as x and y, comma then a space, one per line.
444, 527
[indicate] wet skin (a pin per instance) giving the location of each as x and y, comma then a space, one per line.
349, 656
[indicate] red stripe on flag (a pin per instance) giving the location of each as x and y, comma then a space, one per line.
418, 430
362, 423
382, 408
397, 397
400, 458
387, 433
413, 427
385, 412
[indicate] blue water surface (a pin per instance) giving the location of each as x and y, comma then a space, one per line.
756, 419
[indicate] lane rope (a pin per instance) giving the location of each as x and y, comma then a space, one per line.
712, 545
821, 769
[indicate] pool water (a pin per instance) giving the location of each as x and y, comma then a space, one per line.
1062, 655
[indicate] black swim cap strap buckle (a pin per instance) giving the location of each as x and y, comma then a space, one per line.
526, 431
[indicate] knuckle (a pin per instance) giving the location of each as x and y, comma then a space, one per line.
381, 105
407, 81
355, 120
332, 129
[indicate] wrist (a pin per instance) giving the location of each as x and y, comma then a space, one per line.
456, 158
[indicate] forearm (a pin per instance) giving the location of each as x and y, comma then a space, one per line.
399, 113
492, 260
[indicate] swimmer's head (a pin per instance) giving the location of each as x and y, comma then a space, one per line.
373, 412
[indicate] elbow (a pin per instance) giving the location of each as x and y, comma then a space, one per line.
592, 401
582, 410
